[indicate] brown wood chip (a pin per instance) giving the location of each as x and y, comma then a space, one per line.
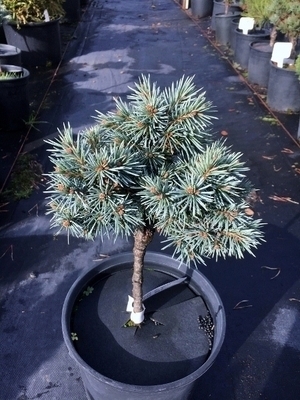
283, 199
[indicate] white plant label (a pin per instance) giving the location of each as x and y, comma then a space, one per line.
281, 50
129, 307
185, 4
246, 24
46, 15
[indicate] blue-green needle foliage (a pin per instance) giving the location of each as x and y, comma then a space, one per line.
152, 164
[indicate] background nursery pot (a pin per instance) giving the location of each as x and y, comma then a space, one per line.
283, 93
160, 362
259, 62
242, 44
72, 10
224, 6
234, 24
39, 42
201, 8
10, 55
223, 24
14, 102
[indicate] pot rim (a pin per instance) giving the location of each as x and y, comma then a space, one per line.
9, 48
255, 45
230, 14
14, 68
254, 33
273, 64
30, 24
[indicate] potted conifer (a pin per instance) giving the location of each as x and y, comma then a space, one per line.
283, 93
150, 167
256, 10
259, 10
33, 27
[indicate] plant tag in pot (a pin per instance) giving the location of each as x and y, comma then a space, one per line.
185, 4
281, 50
46, 15
129, 307
246, 24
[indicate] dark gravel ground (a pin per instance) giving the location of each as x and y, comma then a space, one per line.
114, 42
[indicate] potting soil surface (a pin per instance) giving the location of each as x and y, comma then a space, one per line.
114, 43
170, 341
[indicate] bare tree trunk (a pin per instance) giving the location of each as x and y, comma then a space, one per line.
142, 237
293, 40
273, 36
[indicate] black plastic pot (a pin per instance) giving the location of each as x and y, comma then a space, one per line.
201, 8
219, 8
259, 62
223, 27
242, 44
40, 43
164, 359
2, 36
234, 24
283, 93
10, 55
14, 102
72, 10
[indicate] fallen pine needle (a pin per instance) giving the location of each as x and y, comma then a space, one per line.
269, 157
288, 151
37, 210
11, 248
276, 169
273, 269
293, 299
239, 305
3, 205
283, 199
101, 257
